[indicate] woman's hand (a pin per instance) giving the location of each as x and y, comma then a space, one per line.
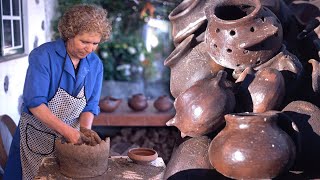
72, 135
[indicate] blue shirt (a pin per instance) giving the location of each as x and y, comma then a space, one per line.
46, 66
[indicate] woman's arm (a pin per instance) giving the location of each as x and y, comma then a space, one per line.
44, 114
86, 119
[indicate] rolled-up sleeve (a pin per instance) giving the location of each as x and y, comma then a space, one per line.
37, 81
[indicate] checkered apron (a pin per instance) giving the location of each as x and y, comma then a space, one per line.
37, 140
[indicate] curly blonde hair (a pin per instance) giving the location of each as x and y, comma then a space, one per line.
84, 18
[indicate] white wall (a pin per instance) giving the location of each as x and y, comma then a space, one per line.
37, 15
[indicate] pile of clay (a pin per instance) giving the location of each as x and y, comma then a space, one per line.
85, 160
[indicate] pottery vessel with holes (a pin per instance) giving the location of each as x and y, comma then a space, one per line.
189, 63
188, 18
242, 33
200, 109
252, 146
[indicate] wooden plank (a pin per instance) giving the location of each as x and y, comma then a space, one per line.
124, 116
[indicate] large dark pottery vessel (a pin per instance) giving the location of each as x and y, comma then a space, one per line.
200, 109
252, 146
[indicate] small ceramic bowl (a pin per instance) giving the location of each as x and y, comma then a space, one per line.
142, 155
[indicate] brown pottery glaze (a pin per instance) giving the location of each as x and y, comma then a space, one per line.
163, 103
142, 156
187, 18
191, 154
200, 109
109, 104
242, 33
82, 161
189, 64
262, 91
138, 102
252, 146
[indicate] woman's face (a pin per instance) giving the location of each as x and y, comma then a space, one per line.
82, 45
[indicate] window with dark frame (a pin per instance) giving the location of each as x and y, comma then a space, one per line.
11, 27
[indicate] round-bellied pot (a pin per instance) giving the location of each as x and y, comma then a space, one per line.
163, 103
138, 102
252, 146
109, 104
242, 33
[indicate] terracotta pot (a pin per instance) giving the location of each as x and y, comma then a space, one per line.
163, 103
109, 104
242, 33
261, 91
200, 109
187, 18
189, 64
82, 161
142, 156
252, 146
138, 102
191, 154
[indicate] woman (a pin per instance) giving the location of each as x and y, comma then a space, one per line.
61, 91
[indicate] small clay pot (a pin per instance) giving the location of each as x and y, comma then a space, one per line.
252, 146
187, 18
142, 156
109, 104
163, 103
138, 102
82, 161
200, 109
242, 33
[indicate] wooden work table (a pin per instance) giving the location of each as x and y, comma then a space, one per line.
124, 116
119, 168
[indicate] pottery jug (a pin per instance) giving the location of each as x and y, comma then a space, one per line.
189, 64
252, 146
242, 33
109, 104
163, 103
138, 102
187, 18
200, 109
261, 91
